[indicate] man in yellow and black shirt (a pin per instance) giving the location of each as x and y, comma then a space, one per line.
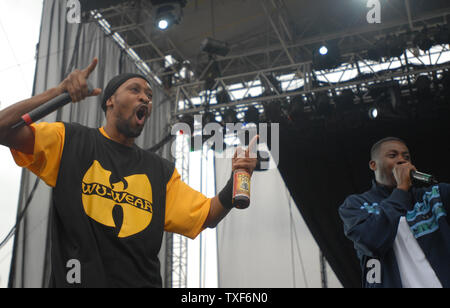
112, 200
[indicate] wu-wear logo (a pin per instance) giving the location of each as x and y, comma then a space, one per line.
133, 194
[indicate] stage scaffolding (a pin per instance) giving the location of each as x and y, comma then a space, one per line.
248, 71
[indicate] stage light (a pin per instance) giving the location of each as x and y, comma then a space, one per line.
387, 96
166, 13
214, 47
323, 50
395, 97
165, 17
373, 113
389, 47
327, 57
163, 24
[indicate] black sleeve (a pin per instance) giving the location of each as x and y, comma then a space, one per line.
444, 190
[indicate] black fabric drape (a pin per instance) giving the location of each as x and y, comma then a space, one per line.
324, 161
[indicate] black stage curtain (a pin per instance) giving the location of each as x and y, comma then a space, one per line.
324, 161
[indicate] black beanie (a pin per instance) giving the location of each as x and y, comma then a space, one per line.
115, 83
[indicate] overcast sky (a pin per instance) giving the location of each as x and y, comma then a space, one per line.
19, 34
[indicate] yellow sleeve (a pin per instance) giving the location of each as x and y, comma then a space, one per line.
48, 148
186, 208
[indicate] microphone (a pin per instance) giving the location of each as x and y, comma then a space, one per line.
45, 109
423, 177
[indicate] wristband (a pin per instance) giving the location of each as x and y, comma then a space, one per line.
226, 195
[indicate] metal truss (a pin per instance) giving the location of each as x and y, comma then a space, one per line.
264, 65
284, 48
176, 245
290, 78
301, 79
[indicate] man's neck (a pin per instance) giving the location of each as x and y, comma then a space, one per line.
116, 136
386, 187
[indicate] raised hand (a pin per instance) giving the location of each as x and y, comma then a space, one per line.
402, 174
246, 159
76, 83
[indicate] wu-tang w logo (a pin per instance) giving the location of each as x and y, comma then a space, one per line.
101, 197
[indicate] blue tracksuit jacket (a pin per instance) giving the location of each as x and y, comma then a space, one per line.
371, 221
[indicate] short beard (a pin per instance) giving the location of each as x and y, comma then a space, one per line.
125, 128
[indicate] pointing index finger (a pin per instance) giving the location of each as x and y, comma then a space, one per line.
252, 146
88, 70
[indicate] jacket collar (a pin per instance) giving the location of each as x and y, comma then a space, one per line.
381, 189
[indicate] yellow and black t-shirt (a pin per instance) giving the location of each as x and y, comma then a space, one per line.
111, 205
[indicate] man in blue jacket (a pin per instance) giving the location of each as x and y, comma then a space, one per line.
401, 233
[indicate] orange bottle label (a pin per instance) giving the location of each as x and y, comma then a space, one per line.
241, 183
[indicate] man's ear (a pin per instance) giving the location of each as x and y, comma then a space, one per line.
109, 102
372, 165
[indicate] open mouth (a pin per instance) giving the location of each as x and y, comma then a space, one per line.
141, 113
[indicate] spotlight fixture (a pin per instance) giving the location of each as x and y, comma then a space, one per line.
163, 23
166, 13
373, 113
392, 46
327, 57
323, 50
387, 97
214, 47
